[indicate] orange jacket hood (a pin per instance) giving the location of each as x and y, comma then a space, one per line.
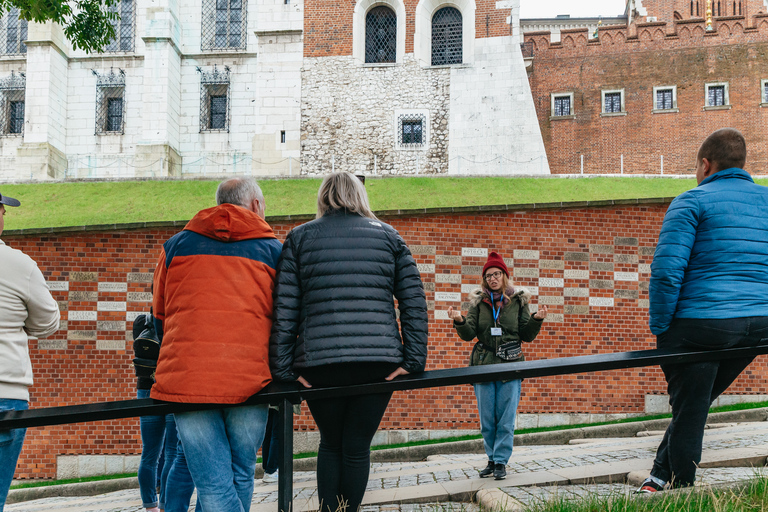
229, 223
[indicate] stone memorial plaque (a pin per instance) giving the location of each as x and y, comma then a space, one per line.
84, 296
576, 256
81, 335
576, 292
550, 300
576, 310
548, 282
110, 326
448, 260
602, 302
83, 276
520, 254
82, 316
422, 249
552, 264
448, 278
447, 297
576, 274
471, 270
426, 268
626, 240
110, 306
139, 297
58, 286
110, 345
526, 272
601, 284
52, 344
475, 252
113, 287
601, 249
625, 258
626, 276
140, 277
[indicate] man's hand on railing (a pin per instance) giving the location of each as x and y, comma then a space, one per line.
304, 382
397, 373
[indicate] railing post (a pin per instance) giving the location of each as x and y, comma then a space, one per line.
285, 464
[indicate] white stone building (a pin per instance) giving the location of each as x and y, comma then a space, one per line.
188, 89
212, 87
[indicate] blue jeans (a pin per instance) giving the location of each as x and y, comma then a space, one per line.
179, 485
220, 447
152, 434
497, 404
11, 442
270, 448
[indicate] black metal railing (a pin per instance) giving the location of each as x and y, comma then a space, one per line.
285, 395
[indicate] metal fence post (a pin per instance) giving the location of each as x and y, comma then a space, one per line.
285, 464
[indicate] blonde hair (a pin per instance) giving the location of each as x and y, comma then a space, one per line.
343, 190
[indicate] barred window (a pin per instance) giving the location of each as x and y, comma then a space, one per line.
380, 35
411, 130
612, 102
214, 100
716, 96
110, 102
664, 99
13, 33
12, 97
124, 27
447, 31
765, 91
562, 106
224, 24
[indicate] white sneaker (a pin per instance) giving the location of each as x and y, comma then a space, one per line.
270, 478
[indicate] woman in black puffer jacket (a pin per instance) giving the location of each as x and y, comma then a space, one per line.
336, 324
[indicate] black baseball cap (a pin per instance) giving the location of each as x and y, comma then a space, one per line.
9, 201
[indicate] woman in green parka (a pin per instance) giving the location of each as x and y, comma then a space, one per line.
500, 320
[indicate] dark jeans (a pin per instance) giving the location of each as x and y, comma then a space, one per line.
270, 448
693, 387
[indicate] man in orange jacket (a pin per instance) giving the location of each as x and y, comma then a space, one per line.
213, 306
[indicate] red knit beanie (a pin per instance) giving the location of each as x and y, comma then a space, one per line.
494, 260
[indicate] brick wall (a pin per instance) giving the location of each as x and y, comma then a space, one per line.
589, 264
637, 59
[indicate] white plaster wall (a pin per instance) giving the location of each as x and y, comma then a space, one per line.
493, 126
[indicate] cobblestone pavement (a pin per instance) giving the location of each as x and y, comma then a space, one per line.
417, 481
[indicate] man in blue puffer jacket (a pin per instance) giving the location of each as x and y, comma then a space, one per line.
709, 290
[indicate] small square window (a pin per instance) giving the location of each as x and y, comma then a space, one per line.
561, 105
412, 132
665, 99
716, 95
764, 92
412, 129
613, 102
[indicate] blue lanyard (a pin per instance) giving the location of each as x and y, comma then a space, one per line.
496, 312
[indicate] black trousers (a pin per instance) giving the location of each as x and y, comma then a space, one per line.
693, 387
347, 426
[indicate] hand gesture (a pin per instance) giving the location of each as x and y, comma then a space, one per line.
455, 315
541, 314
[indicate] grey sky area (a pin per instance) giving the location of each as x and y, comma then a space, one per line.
576, 8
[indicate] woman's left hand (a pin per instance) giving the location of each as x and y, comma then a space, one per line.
397, 373
541, 314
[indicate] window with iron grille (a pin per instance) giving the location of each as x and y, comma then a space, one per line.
224, 24
765, 90
214, 100
124, 27
110, 102
380, 35
411, 129
447, 32
12, 97
664, 99
716, 96
562, 106
612, 103
13, 33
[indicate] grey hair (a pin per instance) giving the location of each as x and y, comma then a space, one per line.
343, 190
239, 191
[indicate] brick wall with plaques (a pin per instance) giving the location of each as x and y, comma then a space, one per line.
589, 264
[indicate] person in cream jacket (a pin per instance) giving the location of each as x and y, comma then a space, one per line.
26, 309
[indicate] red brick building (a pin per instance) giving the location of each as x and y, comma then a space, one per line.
650, 91
589, 263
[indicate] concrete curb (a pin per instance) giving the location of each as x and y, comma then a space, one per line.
79, 489
411, 453
495, 500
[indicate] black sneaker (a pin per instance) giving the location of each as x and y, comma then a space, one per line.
499, 471
488, 470
649, 486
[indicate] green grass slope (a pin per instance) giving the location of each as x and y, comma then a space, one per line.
77, 204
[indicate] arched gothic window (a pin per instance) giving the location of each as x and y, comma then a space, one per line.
380, 35
447, 31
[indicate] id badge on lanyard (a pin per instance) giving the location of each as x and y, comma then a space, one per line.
495, 331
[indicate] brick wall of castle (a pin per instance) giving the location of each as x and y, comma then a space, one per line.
637, 59
589, 265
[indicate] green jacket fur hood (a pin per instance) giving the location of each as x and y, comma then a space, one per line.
515, 321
